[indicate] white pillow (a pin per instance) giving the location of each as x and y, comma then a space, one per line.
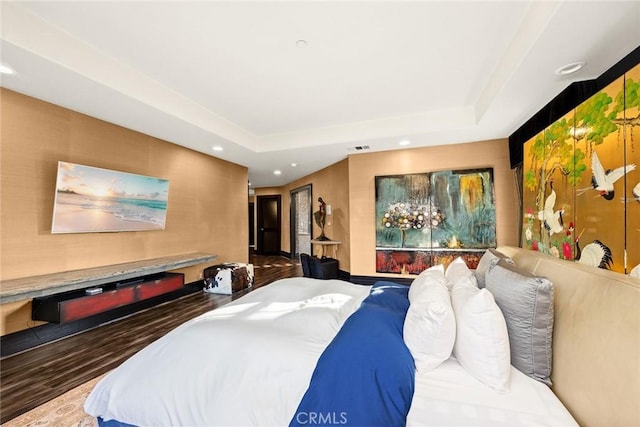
482, 340
458, 272
430, 326
434, 273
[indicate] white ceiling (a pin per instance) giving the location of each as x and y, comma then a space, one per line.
206, 73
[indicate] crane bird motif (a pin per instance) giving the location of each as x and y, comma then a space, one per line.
636, 195
551, 219
595, 254
602, 181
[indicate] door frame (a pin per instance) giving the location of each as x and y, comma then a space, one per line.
292, 218
252, 226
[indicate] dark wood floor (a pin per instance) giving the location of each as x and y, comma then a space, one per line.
31, 378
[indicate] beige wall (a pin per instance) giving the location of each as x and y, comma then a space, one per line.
363, 169
332, 184
207, 196
348, 186
207, 208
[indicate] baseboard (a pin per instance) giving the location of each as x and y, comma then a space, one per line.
370, 280
20, 341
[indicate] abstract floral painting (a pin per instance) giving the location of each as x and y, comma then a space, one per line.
427, 218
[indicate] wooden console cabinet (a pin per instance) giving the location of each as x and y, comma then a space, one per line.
78, 304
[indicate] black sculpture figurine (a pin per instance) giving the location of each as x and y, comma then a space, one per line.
321, 217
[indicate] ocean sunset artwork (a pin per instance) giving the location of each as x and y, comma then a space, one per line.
90, 199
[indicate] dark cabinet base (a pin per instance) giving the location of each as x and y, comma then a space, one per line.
74, 305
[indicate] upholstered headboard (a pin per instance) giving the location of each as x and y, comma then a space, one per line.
596, 339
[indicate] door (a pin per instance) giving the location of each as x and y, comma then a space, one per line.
252, 226
268, 222
301, 221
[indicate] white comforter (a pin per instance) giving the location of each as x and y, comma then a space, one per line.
250, 363
247, 363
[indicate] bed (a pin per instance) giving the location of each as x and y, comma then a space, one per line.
327, 352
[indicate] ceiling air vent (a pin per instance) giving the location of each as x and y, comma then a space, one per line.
359, 148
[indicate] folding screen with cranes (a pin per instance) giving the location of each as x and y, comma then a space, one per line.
581, 182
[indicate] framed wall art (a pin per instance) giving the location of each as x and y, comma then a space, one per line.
90, 199
429, 218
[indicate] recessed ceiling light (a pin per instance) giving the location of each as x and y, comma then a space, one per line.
277, 172
217, 148
301, 43
6, 70
570, 68
404, 142
293, 165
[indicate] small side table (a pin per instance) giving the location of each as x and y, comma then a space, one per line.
329, 243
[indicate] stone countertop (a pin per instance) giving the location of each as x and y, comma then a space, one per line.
48, 284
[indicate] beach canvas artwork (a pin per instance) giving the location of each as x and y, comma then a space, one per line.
90, 199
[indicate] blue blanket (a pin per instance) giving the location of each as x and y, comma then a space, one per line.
112, 423
365, 377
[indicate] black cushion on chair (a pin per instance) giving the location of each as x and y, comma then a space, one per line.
319, 268
324, 268
306, 265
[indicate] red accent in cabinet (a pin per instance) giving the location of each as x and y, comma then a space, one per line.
158, 287
75, 305
79, 308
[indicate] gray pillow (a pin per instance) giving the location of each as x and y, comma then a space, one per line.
489, 258
526, 302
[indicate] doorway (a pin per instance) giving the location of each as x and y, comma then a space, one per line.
301, 201
252, 227
268, 224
